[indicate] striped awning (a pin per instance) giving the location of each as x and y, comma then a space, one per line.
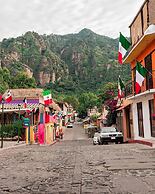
19, 104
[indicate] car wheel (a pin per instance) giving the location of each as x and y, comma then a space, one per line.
116, 142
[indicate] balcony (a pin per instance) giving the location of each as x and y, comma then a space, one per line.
142, 44
128, 89
142, 30
144, 18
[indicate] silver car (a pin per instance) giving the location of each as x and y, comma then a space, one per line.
110, 134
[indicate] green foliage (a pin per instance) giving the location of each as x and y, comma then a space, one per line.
87, 101
11, 130
4, 79
94, 117
73, 100
91, 59
22, 81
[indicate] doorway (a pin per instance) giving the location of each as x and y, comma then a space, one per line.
140, 119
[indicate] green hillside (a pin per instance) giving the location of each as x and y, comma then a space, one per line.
70, 63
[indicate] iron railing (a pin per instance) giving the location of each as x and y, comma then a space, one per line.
129, 91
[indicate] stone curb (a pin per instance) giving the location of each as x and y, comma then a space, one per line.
24, 144
144, 142
13, 146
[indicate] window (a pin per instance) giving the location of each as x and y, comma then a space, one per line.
140, 119
152, 117
148, 66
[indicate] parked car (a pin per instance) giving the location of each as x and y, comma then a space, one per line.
110, 134
96, 138
69, 125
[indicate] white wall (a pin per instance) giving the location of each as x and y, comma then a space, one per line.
146, 116
146, 119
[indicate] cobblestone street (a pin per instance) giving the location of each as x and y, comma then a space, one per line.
74, 165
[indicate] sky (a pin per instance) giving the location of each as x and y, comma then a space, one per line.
104, 17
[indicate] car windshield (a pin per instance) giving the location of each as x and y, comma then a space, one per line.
108, 129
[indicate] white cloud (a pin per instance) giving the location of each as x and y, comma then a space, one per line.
106, 17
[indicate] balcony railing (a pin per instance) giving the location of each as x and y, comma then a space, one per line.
129, 88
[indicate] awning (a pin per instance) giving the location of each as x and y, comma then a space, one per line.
124, 105
16, 105
120, 108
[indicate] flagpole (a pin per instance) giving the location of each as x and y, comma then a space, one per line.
2, 123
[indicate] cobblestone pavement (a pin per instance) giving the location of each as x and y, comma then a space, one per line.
76, 166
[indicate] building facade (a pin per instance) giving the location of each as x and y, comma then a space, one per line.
139, 111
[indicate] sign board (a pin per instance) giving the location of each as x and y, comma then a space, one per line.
26, 122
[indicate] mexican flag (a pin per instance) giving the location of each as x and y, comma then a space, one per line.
140, 76
8, 97
120, 88
124, 44
25, 103
47, 97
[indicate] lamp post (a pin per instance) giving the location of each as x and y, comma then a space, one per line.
2, 123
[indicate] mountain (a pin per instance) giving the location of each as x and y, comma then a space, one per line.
65, 63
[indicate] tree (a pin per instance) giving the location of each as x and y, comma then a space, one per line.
22, 81
107, 91
4, 79
106, 95
73, 100
87, 101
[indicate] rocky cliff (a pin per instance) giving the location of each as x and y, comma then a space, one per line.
74, 61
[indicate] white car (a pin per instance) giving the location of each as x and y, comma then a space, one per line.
69, 125
110, 134
96, 138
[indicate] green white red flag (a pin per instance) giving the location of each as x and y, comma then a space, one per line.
120, 88
47, 97
140, 76
8, 97
25, 103
124, 44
